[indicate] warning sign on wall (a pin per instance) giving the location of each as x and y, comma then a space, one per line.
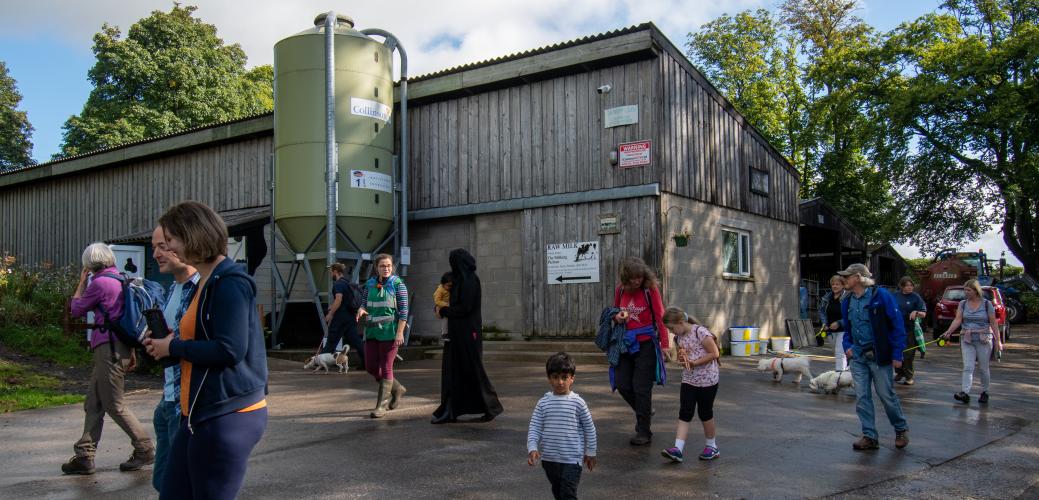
572, 262
633, 154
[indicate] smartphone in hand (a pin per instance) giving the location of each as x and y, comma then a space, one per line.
156, 323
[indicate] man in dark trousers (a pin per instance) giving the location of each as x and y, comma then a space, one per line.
341, 316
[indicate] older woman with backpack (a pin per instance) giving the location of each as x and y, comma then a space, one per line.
104, 296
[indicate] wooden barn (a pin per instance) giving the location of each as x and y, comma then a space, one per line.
550, 166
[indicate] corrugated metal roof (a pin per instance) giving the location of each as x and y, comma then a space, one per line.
235, 220
533, 52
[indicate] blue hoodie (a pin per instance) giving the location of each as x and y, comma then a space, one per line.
889, 334
228, 356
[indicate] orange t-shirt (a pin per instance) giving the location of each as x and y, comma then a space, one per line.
187, 333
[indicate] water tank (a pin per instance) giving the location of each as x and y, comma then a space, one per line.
364, 135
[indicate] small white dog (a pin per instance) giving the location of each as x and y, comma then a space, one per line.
779, 366
327, 360
831, 382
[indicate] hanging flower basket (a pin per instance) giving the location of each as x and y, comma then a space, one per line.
681, 240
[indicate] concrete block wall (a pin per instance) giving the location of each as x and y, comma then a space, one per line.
693, 274
431, 242
499, 262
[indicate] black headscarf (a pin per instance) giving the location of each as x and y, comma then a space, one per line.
463, 268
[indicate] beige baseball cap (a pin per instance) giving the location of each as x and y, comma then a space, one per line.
859, 269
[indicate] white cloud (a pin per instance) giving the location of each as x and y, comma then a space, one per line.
485, 28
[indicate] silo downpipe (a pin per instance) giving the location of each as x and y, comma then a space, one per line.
394, 43
330, 134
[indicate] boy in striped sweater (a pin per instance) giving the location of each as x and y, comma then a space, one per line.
562, 428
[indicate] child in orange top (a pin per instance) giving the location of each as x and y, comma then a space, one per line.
442, 298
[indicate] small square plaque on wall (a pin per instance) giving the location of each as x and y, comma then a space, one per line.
609, 224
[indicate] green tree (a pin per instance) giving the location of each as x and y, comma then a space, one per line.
170, 73
746, 57
15, 130
961, 100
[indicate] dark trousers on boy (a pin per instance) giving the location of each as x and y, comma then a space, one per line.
564, 479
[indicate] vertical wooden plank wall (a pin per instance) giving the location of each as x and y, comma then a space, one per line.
54, 219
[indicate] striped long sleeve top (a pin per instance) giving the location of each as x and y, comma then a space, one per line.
562, 428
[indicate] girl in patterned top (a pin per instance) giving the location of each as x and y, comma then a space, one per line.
698, 352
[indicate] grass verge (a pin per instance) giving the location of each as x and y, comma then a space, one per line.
46, 342
21, 389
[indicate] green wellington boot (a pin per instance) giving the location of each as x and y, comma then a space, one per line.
384, 398
396, 393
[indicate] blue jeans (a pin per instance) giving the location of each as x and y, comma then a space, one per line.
867, 374
166, 420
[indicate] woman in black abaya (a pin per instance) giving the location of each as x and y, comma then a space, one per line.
464, 386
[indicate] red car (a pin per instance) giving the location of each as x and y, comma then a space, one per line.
945, 309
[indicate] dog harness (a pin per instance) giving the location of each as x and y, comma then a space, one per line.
780, 364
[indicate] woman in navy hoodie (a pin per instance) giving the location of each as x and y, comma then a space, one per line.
222, 358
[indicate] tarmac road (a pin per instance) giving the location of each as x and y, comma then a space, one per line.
776, 440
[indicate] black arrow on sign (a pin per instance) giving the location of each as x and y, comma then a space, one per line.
562, 278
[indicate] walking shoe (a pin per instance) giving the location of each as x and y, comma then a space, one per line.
865, 443
640, 440
899, 377
901, 439
137, 460
709, 453
78, 465
983, 399
909, 381
672, 453
962, 397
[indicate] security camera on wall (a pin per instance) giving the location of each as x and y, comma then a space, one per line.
605, 89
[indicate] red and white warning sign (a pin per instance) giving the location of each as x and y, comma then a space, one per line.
633, 154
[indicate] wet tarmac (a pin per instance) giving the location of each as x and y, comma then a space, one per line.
777, 440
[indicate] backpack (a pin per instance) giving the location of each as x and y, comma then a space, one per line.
357, 297
137, 297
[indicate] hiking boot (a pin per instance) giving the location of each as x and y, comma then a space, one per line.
709, 453
983, 399
640, 440
137, 460
909, 381
672, 453
962, 397
901, 439
78, 465
865, 443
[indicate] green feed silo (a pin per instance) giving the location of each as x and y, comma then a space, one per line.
363, 82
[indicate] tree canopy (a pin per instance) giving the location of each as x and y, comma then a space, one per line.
15, 130
170, 73
960, 96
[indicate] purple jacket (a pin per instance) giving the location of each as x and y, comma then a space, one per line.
108, 293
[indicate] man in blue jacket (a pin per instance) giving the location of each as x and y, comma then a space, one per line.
874, 345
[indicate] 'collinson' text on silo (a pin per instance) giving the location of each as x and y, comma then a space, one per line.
371, 109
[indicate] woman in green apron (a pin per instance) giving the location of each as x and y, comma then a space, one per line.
386, 307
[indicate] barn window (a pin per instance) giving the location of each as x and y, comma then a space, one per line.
735, 253
759, 181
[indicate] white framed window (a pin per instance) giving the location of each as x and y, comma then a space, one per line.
735, 253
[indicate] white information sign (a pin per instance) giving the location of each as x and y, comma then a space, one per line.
371, 109
621, 115
572, 262
129, 259
405, 256
633, 154
365, 179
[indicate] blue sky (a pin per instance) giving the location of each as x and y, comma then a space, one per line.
47, 43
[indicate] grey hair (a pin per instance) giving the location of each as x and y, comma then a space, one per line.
867, 281
98, 256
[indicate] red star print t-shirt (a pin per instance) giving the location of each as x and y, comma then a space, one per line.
639, 314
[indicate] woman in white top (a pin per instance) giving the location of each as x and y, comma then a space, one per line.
980, 331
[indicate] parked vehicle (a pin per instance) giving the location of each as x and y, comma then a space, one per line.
945, 310
951, 267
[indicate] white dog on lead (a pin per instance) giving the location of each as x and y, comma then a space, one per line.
831, 382
779, 366
328, 360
